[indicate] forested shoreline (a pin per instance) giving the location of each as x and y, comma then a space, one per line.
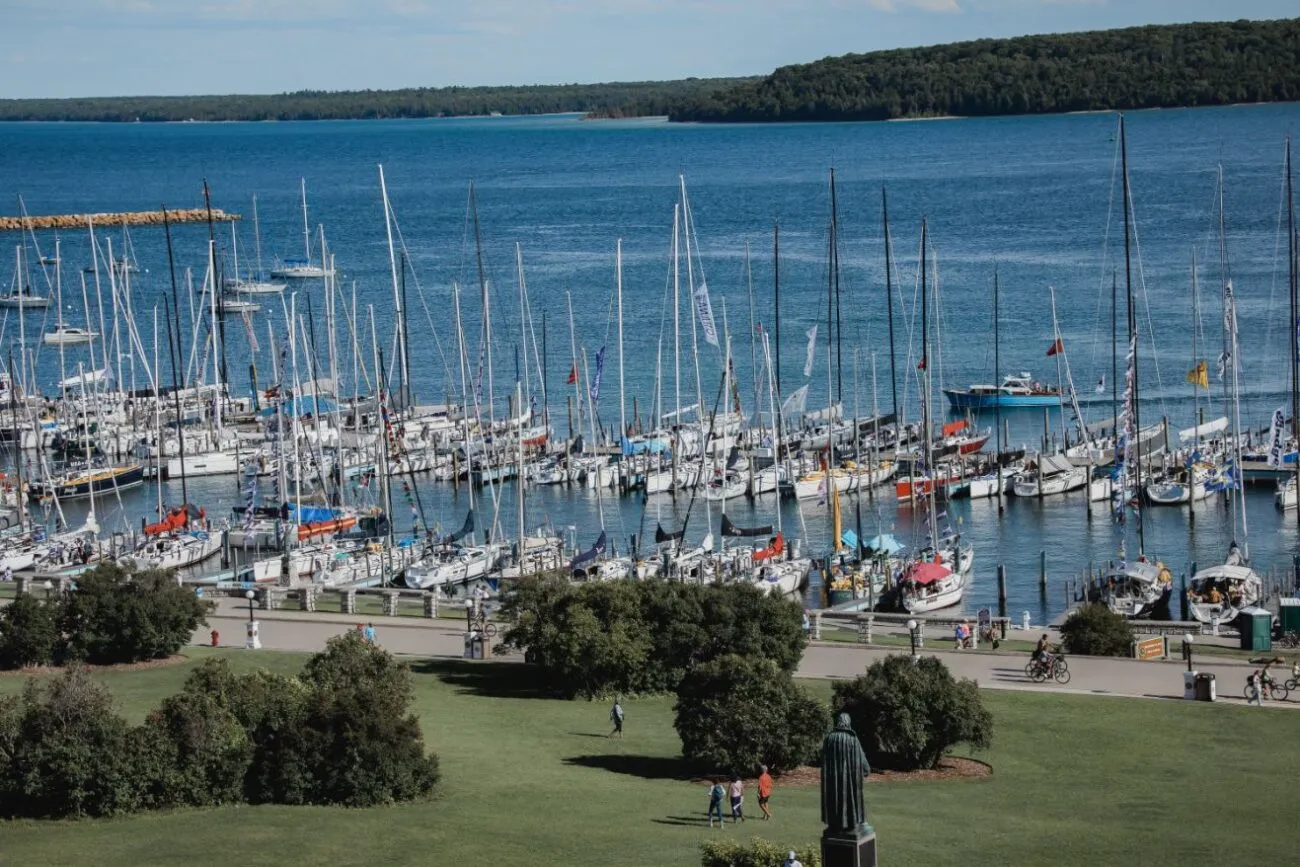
1180, 65
1165, 66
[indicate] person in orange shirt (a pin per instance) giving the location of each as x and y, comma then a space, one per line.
764, 791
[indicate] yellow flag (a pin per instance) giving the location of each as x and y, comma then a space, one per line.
1199, 375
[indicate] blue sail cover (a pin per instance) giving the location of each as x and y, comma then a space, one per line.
641, 446
311, 514
587, 556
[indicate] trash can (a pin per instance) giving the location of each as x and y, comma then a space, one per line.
469, 645
1289, 614
1205, 687
1256, 628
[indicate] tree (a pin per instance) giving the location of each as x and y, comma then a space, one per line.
117, 616
735, 713
29, 632
1094, 630
908, 715
193, 752
65, 752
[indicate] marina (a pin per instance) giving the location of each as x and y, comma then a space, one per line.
587, 402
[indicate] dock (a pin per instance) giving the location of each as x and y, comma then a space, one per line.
124, 218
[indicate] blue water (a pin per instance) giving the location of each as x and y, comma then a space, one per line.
1035, 198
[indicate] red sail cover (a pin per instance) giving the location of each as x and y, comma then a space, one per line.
953, 426
928, 573
773, 550
176, 520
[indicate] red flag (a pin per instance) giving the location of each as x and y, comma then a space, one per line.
573, 376
1056, 347
921, 366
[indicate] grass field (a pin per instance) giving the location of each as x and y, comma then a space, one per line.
533, 781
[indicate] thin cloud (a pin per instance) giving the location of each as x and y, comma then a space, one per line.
918, 5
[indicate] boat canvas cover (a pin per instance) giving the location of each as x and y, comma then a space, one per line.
730, 529
773, 550
465, 529
928, 573
1055, 465
591, 554
310, 514
1209, 429
642, 446
662, 535
953, 427
884, 544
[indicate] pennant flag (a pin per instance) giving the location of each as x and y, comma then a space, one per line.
1224, 358
595, 380
1101, 385
1199, 375
795, 403
573, 375
812, 348
923, 363
1056, 348
705, 311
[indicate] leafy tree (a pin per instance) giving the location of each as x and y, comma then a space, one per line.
908, 715
197, 752
29, 632
735, 713
117, 616
1094, 630
65, 752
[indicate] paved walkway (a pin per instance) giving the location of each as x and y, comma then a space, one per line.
303, 632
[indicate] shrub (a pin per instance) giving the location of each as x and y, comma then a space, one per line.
736, 713
363, 745
116, 616
637, 637
756, 853
1095, 630
193, 752
66, 752
29, 632
908, 715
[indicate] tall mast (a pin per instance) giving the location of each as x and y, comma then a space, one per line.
925, 393
776, 297
397, 288
1293, 269
622, 403
1132, 329
997, 383
306, 232
1114, 358
257, 239
677, 332
835, 276
889, 303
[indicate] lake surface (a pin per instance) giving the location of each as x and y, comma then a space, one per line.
1036, 199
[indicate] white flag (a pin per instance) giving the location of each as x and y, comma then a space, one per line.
795, 403
1101, 384
705, 311
812, 348
1276, 449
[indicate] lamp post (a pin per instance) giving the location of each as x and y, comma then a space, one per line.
1187, 650
911, 633
49, 588
253, 641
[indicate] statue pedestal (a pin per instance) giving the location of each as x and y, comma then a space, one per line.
849, 849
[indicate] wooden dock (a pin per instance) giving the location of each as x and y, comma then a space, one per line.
126, 218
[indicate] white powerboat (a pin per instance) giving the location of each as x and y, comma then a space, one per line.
68, 335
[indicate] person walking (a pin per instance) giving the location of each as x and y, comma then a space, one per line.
764, 791
616, 717
715, 802
370, 633
737, 792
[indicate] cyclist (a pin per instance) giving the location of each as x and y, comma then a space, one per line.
1042, 655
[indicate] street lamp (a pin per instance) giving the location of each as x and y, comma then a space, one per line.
250, 596
1187, 650
254, 641
49, 587
912, 634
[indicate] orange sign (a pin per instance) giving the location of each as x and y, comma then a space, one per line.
1149, 648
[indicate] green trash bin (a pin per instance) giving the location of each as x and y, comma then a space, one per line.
1256, 627
1289, 614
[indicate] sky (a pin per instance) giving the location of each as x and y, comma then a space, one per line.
66, 48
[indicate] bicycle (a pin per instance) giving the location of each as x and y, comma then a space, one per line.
483, 626
1290, 639
1294, 680
1270, 689
1038, 671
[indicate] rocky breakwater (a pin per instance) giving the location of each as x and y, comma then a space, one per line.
128, 218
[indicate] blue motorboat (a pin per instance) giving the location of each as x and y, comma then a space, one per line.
1015, 391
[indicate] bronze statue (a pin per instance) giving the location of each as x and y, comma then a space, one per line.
844, 767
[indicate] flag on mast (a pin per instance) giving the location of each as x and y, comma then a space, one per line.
595, 379
573, 375
1199, 375
1056, 348
812, 349
705, 311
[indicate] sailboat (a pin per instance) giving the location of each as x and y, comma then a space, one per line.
21, 296
254, 282
305, 268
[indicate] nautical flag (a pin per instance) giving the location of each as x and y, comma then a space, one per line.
1101, 385
1276, 432
1056, 348
595, 380
812, 348
1199, 375
923, 363
1224, 358
573, 375
705, 311
795, 403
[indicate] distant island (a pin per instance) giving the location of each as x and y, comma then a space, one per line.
1166, 66
1177, 65
619, 99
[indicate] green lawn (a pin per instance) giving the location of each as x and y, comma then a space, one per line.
533, 781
